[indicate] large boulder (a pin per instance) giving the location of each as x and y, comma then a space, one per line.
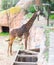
24, 4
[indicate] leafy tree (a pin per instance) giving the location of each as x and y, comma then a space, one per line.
8, 3
52, 7
46, 1
31, 8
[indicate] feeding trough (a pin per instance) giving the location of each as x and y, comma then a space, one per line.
26, 57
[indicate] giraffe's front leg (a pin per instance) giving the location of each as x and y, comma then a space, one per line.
26, 38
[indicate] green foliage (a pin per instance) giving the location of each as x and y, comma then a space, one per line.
29, 15
46, 1
43, 1
51, 2
4, 34
45, 12
14, 2
47, 37
52, 7
47, 31
8, 3
52, 16
32, 9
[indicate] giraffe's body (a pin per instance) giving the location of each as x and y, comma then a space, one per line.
19, 31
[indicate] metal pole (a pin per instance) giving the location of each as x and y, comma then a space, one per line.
38, 15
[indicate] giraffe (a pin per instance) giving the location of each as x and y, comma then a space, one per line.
19, 32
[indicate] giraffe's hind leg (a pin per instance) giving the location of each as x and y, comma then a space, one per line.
10, 44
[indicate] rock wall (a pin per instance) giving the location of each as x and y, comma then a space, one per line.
24, 4
37, 38
19, 9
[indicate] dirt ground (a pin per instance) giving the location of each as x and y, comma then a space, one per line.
4, 58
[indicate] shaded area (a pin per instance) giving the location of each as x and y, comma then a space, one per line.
5, 29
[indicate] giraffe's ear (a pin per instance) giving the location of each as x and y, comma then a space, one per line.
38, 12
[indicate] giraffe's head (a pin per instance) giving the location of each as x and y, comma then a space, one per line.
37, 13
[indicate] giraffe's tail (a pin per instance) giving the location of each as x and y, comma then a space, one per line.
7, 40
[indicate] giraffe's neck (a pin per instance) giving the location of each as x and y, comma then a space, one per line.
30, 22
